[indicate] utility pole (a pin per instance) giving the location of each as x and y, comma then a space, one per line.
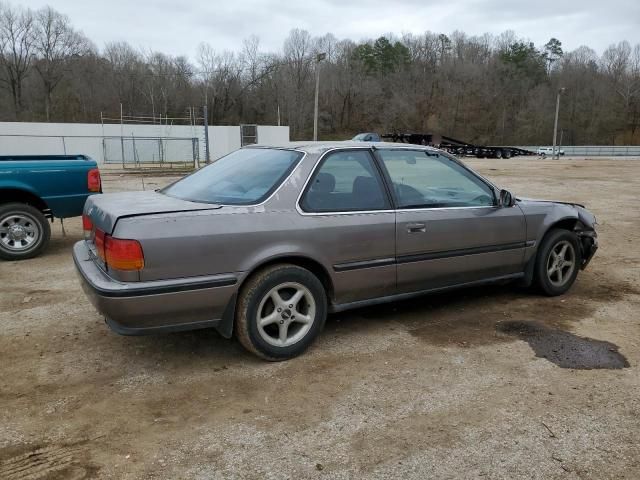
319, 58
555, 123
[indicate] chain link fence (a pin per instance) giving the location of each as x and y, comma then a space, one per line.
141, 152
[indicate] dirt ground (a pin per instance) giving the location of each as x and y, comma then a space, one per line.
448, 386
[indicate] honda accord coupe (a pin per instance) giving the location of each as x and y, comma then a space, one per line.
266, 241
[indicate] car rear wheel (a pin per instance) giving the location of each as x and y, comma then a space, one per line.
558, 262
24, 231
281, 311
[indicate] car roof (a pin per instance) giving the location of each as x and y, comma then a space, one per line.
320, 147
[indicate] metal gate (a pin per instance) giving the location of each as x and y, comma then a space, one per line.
248, 134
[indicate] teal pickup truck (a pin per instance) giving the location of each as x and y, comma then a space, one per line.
35, 189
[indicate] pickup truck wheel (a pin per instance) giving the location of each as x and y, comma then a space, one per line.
558, 262
24, 231
281, 311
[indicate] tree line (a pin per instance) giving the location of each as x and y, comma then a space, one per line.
483, 89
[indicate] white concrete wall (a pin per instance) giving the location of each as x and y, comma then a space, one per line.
32, 138
272, 135
223, 140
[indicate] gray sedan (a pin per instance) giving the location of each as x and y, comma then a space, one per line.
266, 241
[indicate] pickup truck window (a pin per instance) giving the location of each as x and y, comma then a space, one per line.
244, 177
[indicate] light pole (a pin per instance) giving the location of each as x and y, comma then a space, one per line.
319, 58
555, 123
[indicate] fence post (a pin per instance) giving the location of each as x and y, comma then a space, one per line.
196, 163
122, 136
206, 134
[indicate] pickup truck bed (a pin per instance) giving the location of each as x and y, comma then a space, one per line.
36, 187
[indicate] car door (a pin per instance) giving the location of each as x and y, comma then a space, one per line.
348, 218
449, 227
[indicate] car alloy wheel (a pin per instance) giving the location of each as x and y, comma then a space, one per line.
561, 263
286, 314
280, 312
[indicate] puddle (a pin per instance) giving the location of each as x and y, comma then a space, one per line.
565, 349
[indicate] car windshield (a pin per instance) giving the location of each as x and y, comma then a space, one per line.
360, 136
243, 177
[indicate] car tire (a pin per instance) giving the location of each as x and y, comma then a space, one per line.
24, 231
270, 327
557, 262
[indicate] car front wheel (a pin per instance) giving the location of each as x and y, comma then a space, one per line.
281, 311
558, 262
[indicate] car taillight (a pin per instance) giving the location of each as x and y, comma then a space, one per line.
119, 253
87, 226
94, 183
123, 254
99, 242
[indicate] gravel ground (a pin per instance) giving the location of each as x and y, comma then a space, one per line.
448, 386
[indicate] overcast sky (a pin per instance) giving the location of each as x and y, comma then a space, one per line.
177, 27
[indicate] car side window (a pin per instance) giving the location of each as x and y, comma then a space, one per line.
346, 181
423, 179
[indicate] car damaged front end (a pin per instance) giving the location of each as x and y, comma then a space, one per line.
544, 215
586, 232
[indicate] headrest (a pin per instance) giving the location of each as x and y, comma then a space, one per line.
324, 182
365, 185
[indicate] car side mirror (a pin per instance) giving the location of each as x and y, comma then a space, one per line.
507, 199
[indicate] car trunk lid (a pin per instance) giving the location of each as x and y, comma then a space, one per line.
105, 210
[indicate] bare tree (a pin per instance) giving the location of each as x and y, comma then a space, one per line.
125, 74
221, 73
17, 39
56, 42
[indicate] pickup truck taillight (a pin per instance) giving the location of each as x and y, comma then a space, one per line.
119, 253
87, 226
94, 184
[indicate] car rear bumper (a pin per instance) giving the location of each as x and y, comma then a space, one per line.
141, 308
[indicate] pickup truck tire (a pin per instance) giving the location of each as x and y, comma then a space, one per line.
24, 231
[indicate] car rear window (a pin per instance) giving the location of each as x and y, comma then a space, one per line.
243, 177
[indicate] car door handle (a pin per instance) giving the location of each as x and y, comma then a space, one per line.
416, 228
